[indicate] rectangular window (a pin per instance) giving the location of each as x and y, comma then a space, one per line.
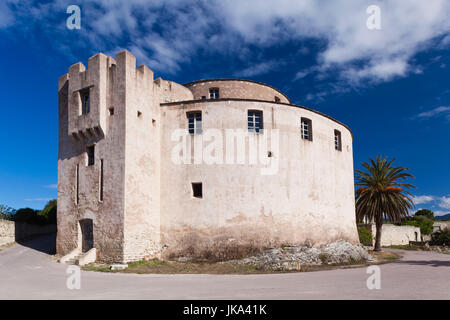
85, 102
255, 121
197, 190
337, 140
306, 128
214, 93
277, 99
101, 180
194, 122
90, 155
77, 183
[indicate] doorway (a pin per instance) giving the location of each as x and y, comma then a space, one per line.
87, 234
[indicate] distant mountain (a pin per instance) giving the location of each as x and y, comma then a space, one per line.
446, 216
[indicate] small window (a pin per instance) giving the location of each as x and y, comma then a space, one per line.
306, 128
337, 140
255, 121
111, 111
101, 180
195, 122
214, 93
90, 155
197, 190
85, 102
77, 184
203, 97
277, 99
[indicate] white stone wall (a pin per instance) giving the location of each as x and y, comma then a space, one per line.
11, 231
397, 235
148, 207
309, 199
7, 234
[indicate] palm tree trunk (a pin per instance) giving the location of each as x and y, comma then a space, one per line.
379, 225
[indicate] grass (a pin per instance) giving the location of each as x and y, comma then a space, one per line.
156, 266
407, 247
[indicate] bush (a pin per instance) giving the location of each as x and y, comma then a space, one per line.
365, 236
49, 212
425, 213
6, 212
29, 215
43, 217
425, 224
441, 238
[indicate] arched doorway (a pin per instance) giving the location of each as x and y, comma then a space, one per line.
87, 234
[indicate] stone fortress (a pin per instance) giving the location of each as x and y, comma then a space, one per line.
122, 194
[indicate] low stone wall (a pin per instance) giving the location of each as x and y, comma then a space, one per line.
11, 231
392, 235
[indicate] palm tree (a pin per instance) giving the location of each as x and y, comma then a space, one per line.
382, 194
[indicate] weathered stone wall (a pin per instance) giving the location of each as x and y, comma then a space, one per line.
441, 225
11, 231
392, 235
107, 80
170, 91
310, 198
231, 88
148, 209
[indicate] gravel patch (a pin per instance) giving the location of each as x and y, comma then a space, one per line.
293, 258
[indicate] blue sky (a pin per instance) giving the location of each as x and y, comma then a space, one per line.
391, 86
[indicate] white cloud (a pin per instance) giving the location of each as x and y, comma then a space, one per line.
444, 202
38, 199
51, 186
167, 34
300, 75
423, 199
440, 213
257, 69
439, 111
436, 203
6, 16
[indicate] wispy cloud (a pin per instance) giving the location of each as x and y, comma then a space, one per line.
444, 202
51, 186
38, 199
440, 213
437, 203
443, 111
423, 199
168, 34
257, 69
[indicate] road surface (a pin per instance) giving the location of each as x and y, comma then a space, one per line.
27, 271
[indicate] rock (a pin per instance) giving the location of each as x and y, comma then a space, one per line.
118, 267
292, 258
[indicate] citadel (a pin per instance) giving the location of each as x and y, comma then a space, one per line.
130, 187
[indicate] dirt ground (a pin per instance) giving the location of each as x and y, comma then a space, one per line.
174, 267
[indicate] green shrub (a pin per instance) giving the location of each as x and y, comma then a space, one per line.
29, 215
42, 217
425, 213
425, 224
441, 238
365, 236
49, 212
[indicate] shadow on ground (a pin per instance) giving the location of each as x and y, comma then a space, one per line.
431, 263
45, 244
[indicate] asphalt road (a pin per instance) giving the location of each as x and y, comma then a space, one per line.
27, 271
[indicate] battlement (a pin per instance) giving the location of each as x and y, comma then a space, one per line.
102, 87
